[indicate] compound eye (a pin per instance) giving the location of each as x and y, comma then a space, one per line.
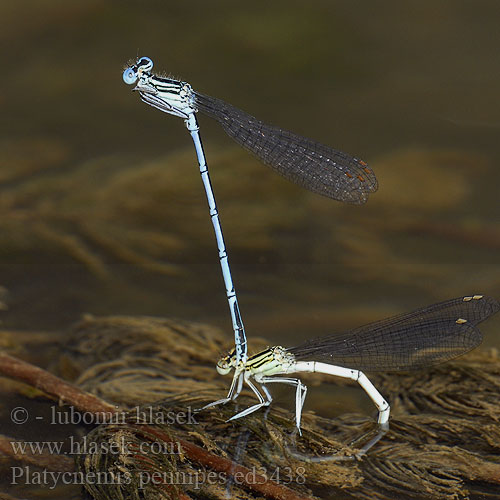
129, 76
222, 369
145, 63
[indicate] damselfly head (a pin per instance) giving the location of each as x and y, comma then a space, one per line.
226, 363
133, 73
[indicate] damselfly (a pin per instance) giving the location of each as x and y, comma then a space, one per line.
409, 341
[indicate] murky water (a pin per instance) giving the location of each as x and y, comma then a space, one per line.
102, 208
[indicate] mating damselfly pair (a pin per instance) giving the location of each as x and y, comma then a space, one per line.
427, 336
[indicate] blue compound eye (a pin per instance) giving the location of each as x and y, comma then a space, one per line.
129, 76
145, 63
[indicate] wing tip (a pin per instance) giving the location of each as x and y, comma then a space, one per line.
489, 305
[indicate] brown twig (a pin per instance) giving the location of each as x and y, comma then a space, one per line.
52, 385
85, 402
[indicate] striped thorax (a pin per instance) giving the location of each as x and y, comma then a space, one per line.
270, 361
167, 95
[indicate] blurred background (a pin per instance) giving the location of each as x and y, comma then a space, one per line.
102, 209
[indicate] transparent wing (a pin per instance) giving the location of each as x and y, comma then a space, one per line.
314, 166
408, 341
